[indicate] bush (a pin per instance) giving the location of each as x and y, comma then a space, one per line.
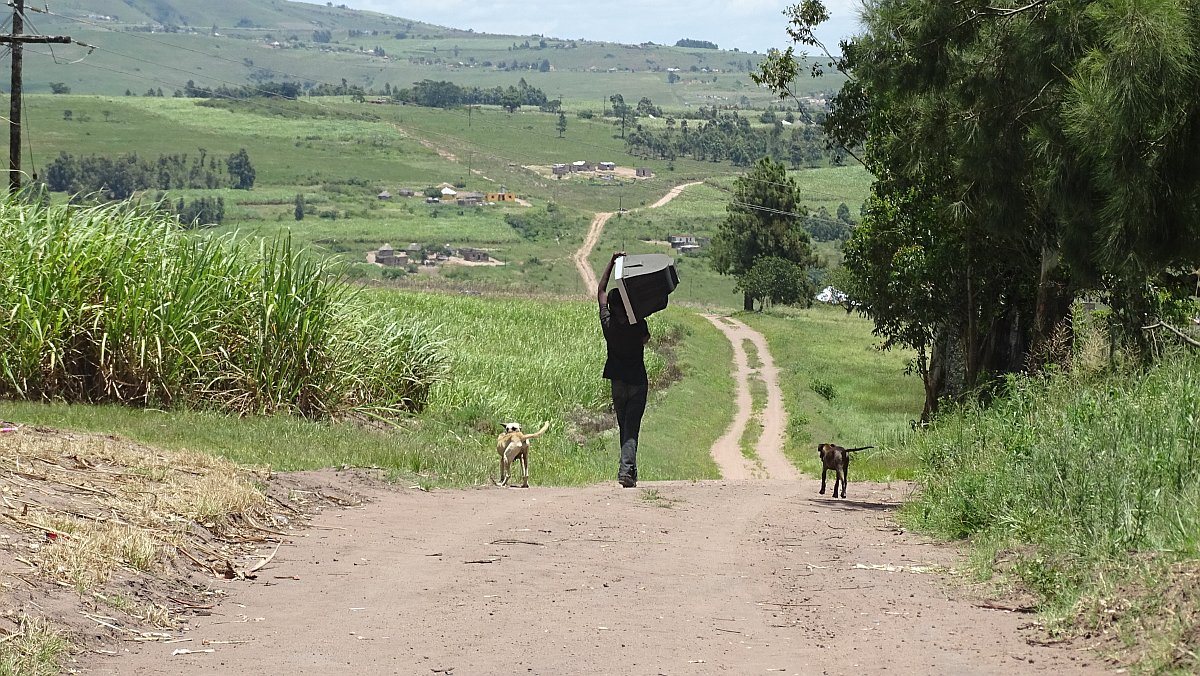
823, 388
1079, 477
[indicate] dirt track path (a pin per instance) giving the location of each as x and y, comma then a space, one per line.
593, 236
589, 242
673, 578
727, 451
712, 577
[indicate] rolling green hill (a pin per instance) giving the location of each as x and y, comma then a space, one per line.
145, 45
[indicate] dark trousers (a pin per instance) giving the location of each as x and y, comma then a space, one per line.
629, 402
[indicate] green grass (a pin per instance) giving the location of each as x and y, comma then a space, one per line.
873, 403
1084, 489
514, 359
339, 155
583, 72
115, 304
37, 649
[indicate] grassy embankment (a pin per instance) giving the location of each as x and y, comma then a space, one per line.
1082, 488
838, 387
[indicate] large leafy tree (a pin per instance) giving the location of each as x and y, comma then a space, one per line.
1025, 152
764, 218
776, 280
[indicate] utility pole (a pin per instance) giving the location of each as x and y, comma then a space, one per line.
17, 40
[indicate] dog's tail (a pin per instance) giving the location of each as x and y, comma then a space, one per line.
545, 426
860, 448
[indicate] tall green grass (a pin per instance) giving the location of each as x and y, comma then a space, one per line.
1088, 486
116, 304
512, 358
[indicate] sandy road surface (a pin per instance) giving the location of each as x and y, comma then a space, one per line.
589, 242
670, 578
727, 450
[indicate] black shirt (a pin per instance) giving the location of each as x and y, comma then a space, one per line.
625, 348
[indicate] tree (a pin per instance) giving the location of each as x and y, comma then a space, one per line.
672, 77
621, 110
1019, 160
776, 280
511, 100
763, 219
299, 211
562, 123
59, 88
241, 172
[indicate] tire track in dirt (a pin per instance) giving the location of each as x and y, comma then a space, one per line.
727, 451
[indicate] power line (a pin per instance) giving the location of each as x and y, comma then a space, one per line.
16, 42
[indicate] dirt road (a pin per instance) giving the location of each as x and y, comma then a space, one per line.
589, 242
672, 578
593, 236
727, 451
738, 576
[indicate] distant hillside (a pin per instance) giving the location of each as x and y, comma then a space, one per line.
150, 45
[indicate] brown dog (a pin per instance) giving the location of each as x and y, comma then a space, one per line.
836, 458
513, 444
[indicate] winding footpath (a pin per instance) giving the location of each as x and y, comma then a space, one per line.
769, 462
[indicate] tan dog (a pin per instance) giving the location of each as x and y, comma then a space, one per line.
836, 458
513, 444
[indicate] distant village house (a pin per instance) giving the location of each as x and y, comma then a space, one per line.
501, 197
387, 257
474, 255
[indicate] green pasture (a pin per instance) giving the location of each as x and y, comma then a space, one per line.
339, 155
872, 402
275, 41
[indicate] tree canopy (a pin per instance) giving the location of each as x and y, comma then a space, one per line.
764, 218
1025, 154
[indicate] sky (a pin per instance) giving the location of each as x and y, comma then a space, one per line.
749, 25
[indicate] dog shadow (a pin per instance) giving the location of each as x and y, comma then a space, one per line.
852, 505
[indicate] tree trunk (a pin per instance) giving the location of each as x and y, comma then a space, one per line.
748, 302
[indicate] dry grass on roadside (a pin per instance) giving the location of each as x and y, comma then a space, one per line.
34, 649
122, 526
97, 503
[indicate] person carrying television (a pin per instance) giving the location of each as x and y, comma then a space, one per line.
625, 367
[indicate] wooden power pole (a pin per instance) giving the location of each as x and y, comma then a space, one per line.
17, 40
